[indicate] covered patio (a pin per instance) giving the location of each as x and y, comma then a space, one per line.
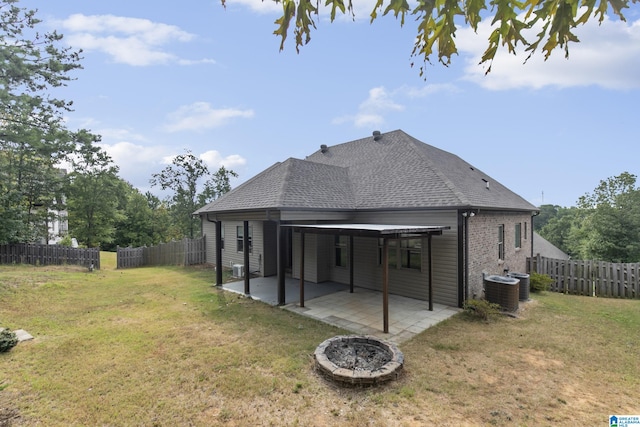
360, 311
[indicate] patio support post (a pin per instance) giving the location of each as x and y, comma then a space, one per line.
281, 264
218, 253
301, 268
385, 285
430, 273
351, 264
245, 246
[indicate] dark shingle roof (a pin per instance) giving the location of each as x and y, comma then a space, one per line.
394, 171
293, 183
545, 248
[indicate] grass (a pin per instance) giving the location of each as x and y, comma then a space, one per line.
162, 346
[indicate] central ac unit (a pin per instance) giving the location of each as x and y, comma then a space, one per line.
238, 270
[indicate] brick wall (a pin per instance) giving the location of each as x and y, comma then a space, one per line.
483, 247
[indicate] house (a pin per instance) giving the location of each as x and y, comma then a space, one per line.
544, 248
386, 212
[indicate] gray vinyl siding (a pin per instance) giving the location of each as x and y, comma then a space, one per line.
320, 258
209, 230
230, 255
270, 258
314, 215
310, 258
409, 282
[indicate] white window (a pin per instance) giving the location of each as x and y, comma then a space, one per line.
240, 238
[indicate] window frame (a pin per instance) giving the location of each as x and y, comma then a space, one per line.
409, 248
240, 238
518, 235
399, 252
341, 251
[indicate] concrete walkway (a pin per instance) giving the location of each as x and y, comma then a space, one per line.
359, 312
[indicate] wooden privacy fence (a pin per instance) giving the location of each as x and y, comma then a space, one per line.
180, 252
593, 278
29, 253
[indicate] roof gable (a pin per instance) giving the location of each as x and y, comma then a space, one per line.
293, 183
389, 171
396, 170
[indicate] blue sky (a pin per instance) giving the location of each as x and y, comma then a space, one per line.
163, 77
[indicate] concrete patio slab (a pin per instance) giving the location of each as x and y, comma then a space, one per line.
359, 312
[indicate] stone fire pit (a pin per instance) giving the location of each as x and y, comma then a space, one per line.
358, 360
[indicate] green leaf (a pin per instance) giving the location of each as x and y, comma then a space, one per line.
335, 5
398, 7
437, 25
288, 11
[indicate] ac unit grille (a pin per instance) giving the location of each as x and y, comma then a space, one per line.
238, 270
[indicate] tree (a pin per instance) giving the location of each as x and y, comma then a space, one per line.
438, 21
144, 221
33, 137
216, 186
562, 228
93, 192
547, 213
611, 227
182, 177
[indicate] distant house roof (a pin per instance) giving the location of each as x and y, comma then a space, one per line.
544, 248
389, 171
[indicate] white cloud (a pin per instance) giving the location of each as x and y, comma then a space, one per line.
120, 135
370, 111
200, 116
214, 160
259, 6
380, 102
430, 89
132, 41
129, 156
608, 55
137, 163
362, 8
196, 62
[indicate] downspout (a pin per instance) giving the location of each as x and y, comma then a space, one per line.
465, 232
466, 256
533, 215
462, 281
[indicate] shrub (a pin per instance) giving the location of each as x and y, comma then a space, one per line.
539, 282
66, 241
8, 340
481, 308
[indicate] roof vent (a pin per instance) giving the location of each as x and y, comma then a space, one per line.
486, 182
376, 135
323, 148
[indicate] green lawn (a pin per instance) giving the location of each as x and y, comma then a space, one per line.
162, 346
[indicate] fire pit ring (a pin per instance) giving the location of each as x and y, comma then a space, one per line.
358, 360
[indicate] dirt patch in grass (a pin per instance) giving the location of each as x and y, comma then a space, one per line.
162, 346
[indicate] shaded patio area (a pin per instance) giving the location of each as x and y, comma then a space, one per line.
360, 312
